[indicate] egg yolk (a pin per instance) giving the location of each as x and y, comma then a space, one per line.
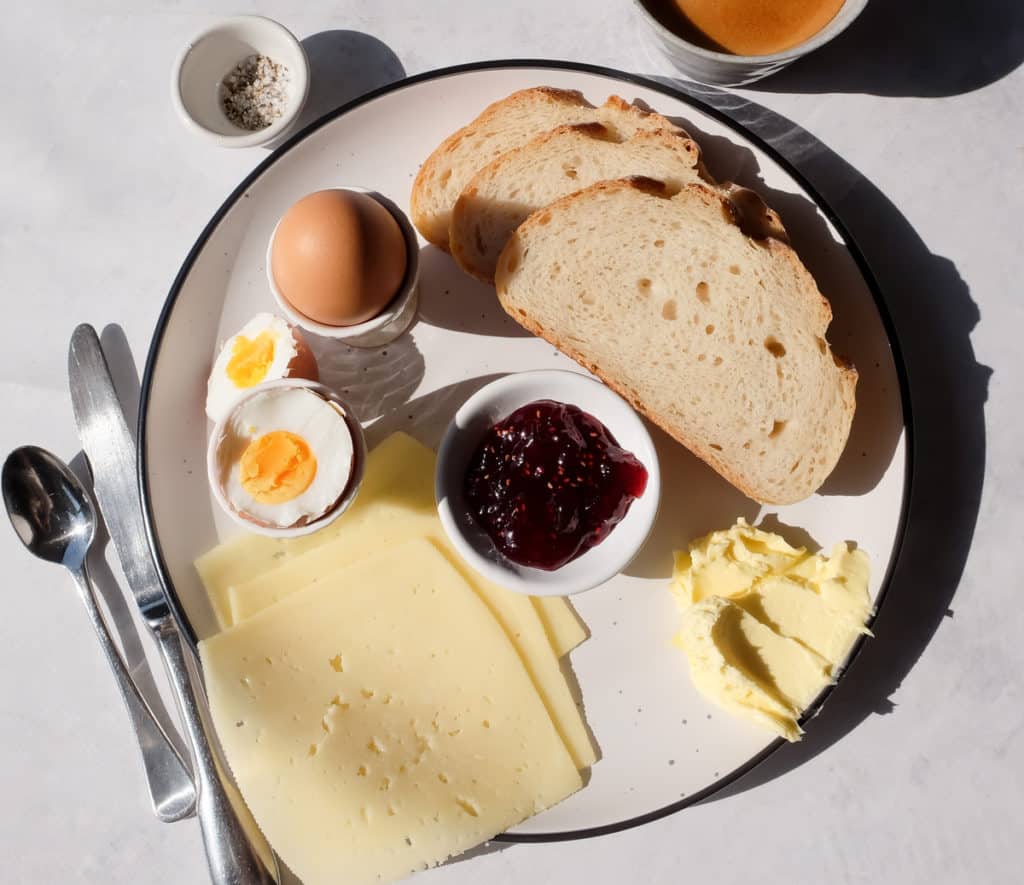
277, 467
250, 359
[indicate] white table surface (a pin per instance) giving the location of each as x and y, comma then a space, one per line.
914, 771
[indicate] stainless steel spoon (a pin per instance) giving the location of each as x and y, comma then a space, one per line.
54, 516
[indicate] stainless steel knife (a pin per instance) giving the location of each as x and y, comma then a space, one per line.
237, 852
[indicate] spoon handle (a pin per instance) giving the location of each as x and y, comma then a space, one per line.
171, 786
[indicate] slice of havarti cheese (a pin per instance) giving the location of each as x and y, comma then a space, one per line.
380, 721
513, 611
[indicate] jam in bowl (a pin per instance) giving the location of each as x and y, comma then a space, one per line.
547, 482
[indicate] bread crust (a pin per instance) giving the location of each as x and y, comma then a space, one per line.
711, 198
433, 228
428, 171
458, 240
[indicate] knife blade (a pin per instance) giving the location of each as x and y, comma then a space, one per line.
236, 850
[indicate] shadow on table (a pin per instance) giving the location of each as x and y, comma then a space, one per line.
925, 48
342, 66
933, 314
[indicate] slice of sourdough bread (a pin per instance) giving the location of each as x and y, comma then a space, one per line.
504, 125
717, 337
522, 180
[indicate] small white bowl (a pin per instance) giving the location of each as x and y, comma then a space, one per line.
212, 54
497, 401
400, 311
725, 69
355, 481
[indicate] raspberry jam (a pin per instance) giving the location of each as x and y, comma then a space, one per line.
549, 482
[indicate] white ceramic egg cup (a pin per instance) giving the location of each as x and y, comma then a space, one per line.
497, 401
351, 490
399, 312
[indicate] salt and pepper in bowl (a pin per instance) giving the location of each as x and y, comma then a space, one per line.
241, 82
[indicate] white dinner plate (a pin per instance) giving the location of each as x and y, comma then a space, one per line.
662, 745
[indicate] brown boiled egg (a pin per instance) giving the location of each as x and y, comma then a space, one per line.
338, 257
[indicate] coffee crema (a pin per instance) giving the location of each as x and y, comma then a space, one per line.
745, 27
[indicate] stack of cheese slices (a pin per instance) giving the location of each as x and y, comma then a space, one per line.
605, 235
381, 706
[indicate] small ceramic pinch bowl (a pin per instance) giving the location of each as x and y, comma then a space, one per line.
355, 428
725, 69
398, 313
212, 54
497, 401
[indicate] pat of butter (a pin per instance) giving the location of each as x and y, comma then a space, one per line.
748, 668
766, 625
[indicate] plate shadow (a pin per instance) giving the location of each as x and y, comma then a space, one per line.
855, 332
948, 391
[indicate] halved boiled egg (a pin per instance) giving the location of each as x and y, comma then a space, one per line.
266, 349
284, 457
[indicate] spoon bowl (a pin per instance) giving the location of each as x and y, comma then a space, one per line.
54, 516
52, 512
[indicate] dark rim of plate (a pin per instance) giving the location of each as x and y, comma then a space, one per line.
610, 73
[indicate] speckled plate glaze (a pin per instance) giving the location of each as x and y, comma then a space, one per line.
663, 747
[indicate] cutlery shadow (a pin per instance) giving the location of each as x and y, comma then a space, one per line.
948, 389
118, 352
122, 618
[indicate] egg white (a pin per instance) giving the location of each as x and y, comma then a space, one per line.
308, 415
221, 392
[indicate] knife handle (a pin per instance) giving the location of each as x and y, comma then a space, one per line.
170, 783
236, 850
